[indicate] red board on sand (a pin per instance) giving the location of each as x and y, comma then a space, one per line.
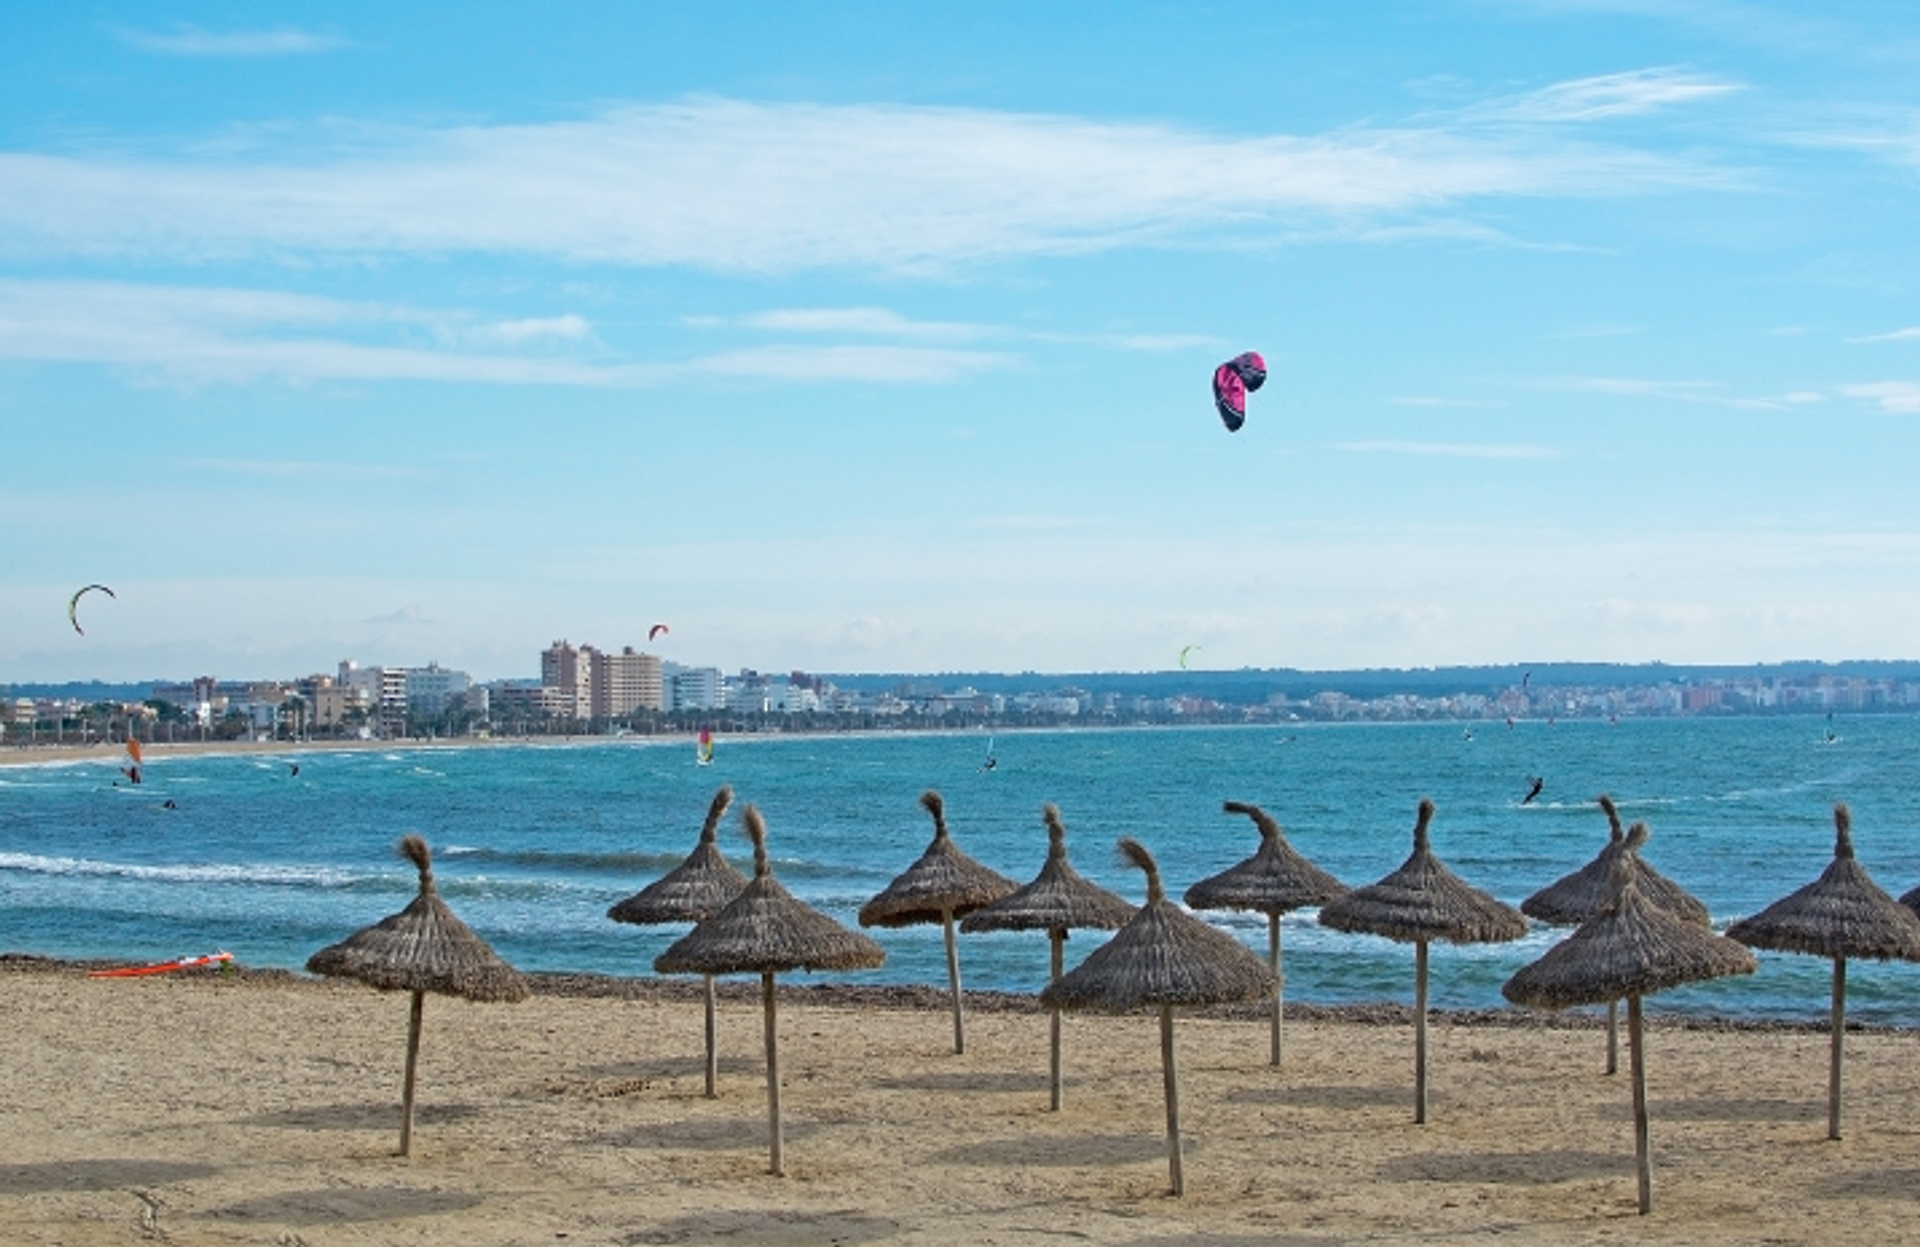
184, 963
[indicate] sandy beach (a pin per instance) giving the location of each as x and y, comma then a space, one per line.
262, 1108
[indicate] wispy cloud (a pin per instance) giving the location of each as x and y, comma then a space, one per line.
1455, 450
1149, 343
1896, 397
874, 186
1708, 393
865, 321
1898, 335
1607, 96
185, 40
195, 336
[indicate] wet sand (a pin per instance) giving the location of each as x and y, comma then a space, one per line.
262, 1108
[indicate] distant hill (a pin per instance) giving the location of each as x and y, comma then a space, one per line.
83, 690
1254, 684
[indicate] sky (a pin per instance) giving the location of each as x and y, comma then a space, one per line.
871, 337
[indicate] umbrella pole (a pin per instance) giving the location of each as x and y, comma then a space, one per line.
1839, 1027
1279, 985
1636, 1051
413, 1059
713, 1058
1420, 1033
1058, 938
1172, 1076
953, 978
1613, 1036
778, 1169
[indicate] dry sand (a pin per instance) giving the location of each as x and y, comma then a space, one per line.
262, 1108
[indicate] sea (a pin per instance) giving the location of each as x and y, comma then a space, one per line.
533, 842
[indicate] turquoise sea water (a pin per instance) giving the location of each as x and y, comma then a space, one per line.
533, 843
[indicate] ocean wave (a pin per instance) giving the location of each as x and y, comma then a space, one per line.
252, 874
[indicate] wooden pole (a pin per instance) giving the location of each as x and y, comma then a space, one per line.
1838, 1024
413, 1059
1637, 1054
953, 978
1058, 937
713, 1055
1171, 1073
1420, 1033
1613, 1036
778, 1168
1279, 984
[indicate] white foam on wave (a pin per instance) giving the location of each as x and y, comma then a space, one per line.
34, 864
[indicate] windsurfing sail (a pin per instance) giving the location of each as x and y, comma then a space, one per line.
220, 959
703, 747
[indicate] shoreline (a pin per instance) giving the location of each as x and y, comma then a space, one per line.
925, 997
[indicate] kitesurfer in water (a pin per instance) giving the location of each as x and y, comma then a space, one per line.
1538, 783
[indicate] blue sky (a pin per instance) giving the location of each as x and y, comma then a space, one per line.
877, 337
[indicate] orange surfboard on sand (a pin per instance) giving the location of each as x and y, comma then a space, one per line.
184, 963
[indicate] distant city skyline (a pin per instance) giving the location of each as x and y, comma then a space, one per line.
877, 338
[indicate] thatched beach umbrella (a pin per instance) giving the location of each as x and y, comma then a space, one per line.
1057, 901
697, 887
1842, 914
1633, 948
1572, 899
1273, 881
1421, 902
943, 885
765, 930
421, 949
1162, 958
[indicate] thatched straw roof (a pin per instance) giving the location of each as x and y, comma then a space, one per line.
1843, 913
699, 886
423, 948
1058, 899
765, 929
1274, 880
1424, 901
1574, 898
1163, 956
1631, 948
944, 881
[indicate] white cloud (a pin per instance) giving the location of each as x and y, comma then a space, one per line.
187, 40
1458, 450
869, 321
878, 186
1895, 397
1898, 335
1607, 96
194, 336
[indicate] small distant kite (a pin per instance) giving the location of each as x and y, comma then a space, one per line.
655, 631
1184, 651
1232, 382
73, 605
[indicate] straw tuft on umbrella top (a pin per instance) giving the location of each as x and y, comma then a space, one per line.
1163, 956
423, 948
943, 885
1424, 901
1576, 897
1843, 913
1058, 899
1273, 881
944, 881
699, 886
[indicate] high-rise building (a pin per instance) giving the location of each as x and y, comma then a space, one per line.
625, 682
570, 670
